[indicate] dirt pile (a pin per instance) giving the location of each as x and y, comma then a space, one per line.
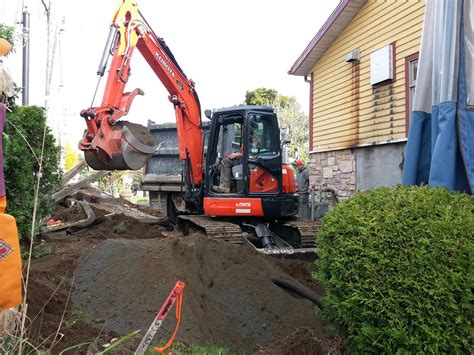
118, 226
229, 296
66, 215
51, 276
305, 341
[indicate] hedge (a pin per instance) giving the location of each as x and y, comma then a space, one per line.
21, 166
397, 265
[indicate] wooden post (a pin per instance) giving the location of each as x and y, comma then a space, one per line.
67, 191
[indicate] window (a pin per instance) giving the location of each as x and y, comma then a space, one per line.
263, 141
229, 139
411, 74
413, 71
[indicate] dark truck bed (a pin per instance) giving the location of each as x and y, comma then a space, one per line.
162, 177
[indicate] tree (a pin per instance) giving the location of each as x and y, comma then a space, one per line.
8, 33
70, 157
289, 115
23, 138
112, 183
8, 89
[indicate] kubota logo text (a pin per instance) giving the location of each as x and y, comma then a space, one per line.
164, 64
243, 204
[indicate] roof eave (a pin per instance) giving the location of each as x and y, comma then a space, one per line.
301, 67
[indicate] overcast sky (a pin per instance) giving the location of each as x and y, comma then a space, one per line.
226, 47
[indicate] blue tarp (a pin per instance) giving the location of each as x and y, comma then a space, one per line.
440, 148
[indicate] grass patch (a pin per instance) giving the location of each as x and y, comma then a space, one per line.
122, 227
75, 317
40, 250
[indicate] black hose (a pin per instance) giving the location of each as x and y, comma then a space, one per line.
300, 290
90, 219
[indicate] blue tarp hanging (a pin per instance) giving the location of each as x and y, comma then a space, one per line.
440, 148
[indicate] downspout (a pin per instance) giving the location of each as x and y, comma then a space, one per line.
310, 116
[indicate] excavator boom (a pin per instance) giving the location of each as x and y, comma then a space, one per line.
110, 144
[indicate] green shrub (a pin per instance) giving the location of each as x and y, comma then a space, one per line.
8, 33
398, 269
122, 227
21, 166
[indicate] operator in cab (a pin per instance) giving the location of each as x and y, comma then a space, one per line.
228, 163
234, 159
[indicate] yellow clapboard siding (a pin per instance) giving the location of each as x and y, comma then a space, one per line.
360, 129
346, 108
365, 105
343, 100
330, 85
332, 126
390, 26
365, 22
353, 136
341, 70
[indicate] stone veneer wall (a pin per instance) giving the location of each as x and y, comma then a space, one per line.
336, 170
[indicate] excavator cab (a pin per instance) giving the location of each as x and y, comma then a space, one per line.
257, 175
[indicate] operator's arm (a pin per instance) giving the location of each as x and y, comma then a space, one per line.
235, 155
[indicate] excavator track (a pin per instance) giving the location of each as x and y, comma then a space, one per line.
222, 230
308, 230
232, 232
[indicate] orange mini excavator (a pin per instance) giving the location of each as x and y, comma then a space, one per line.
260, 204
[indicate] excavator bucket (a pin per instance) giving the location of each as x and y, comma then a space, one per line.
123, 146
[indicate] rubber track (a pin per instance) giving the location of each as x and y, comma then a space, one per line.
231, 232
222, 230
308, 231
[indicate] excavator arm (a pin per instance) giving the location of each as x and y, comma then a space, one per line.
110, 144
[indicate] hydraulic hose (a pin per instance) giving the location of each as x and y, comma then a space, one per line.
300, 290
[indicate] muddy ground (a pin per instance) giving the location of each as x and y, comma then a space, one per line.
110, 279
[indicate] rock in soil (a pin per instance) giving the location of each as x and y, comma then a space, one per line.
229, 298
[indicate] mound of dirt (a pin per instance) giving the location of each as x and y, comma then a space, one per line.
305, 341
51, 277
119, 226
66, 215
229, 296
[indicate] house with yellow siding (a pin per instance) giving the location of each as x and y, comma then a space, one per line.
362, 67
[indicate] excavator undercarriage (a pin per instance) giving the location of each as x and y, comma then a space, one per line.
293, 236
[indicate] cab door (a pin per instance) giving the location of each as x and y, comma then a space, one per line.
262, 154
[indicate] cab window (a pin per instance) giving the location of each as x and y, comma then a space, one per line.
262, 138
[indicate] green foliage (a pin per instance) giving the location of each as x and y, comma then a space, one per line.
75, 317
112, 183
261, 96
22, 166
181, 348
289, 115
8, 32
122, 227
398, 269
42, 249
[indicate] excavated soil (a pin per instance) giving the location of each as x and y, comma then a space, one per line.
119, 226
305, 341
229, 296
50, 309
105, 281
66, 215
138, 131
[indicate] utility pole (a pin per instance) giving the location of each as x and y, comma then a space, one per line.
26, 57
